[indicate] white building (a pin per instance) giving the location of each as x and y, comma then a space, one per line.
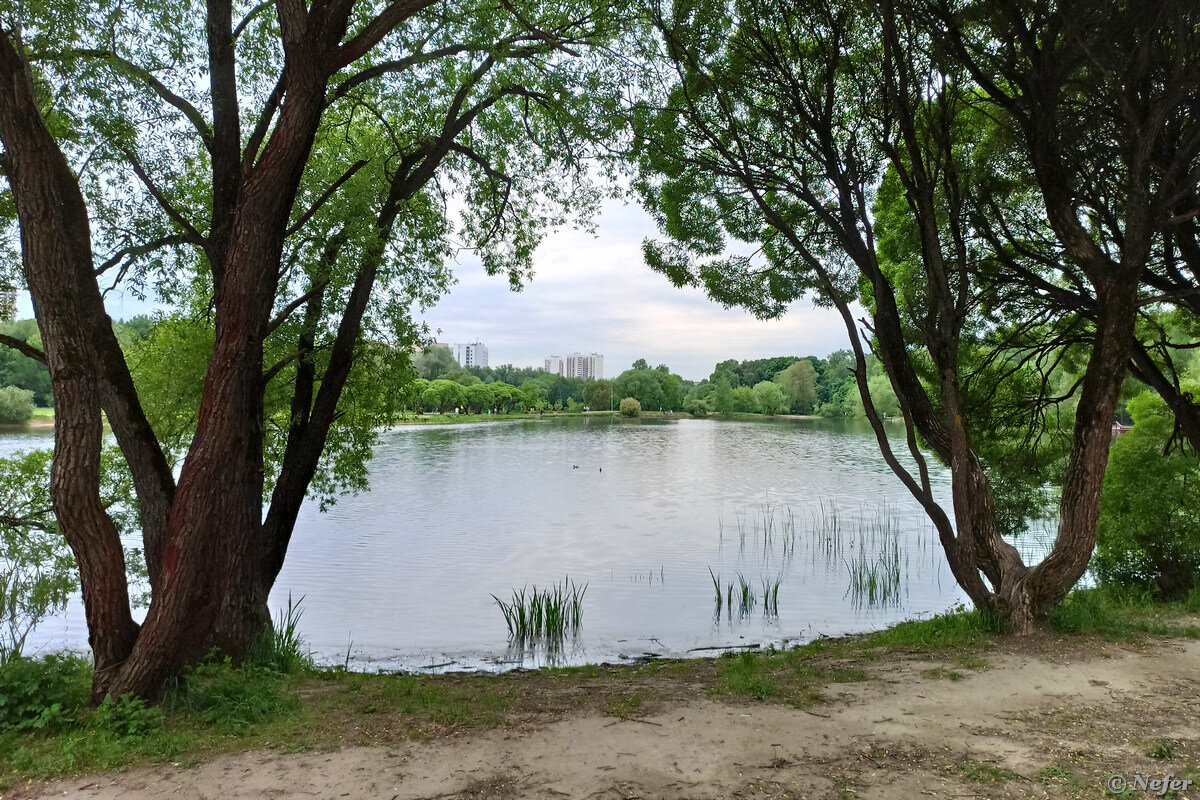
474, 354
8, 304
589, 366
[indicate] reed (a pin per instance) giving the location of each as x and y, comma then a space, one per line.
548, 613
875, 583
771, 595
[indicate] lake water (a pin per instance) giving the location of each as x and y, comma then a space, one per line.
645, 513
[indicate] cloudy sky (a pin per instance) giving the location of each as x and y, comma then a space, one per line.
594, 294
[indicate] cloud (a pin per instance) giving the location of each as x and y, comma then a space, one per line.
595, 294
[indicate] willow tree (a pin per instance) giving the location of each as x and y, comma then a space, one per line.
781, 123
294, 197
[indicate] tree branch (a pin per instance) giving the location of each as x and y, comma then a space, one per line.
148, 78
193, 236
358, 46
24, 348
138, 250
324, 198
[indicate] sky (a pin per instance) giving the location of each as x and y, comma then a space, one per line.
593, 293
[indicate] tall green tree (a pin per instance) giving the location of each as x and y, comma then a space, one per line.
777, 123
280, 175
799, 385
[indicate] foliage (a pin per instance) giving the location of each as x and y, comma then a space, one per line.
16, 405
697, 407
37, 569
630, 407
1149, 532
433, 361
36, 694
744, 400
18, 369
799, 384
770, 397
127, 717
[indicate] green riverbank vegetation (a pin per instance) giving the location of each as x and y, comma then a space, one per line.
280, 700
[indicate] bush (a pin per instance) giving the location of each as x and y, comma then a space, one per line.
16, 406
697, 408
630, 407
127, 717
1149, 531
36, 694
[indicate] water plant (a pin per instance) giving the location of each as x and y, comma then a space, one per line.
549, 613
726, 595
875, 583
771, 595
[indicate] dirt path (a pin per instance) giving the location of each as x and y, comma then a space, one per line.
1052, 723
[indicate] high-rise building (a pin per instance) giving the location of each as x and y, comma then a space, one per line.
474, 354
589, 366
8, 304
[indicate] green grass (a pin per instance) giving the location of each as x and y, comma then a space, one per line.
48, 729
1162, 749
625, 706
985, 773
282, 648
1119, 614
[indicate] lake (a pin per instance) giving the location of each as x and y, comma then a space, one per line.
646, 513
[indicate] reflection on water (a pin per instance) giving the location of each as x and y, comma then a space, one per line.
651, 515
646, 513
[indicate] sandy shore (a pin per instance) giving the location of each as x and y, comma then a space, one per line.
1053, 718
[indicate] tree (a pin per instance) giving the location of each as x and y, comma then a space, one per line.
434, 361
799, 384
640, 364
598, 395
630, 407
781, 120
276, 234
770, 397
37, 573
19, 369
479, 397
16, 406
644, 385
1149, 533
745, 400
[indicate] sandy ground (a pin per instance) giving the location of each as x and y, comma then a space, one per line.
1056, 722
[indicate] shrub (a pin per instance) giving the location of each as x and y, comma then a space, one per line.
16, 406
630, 407
1149, 532
127, 717
697, 408
42, 693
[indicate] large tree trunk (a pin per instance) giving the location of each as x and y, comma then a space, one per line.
56, 247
